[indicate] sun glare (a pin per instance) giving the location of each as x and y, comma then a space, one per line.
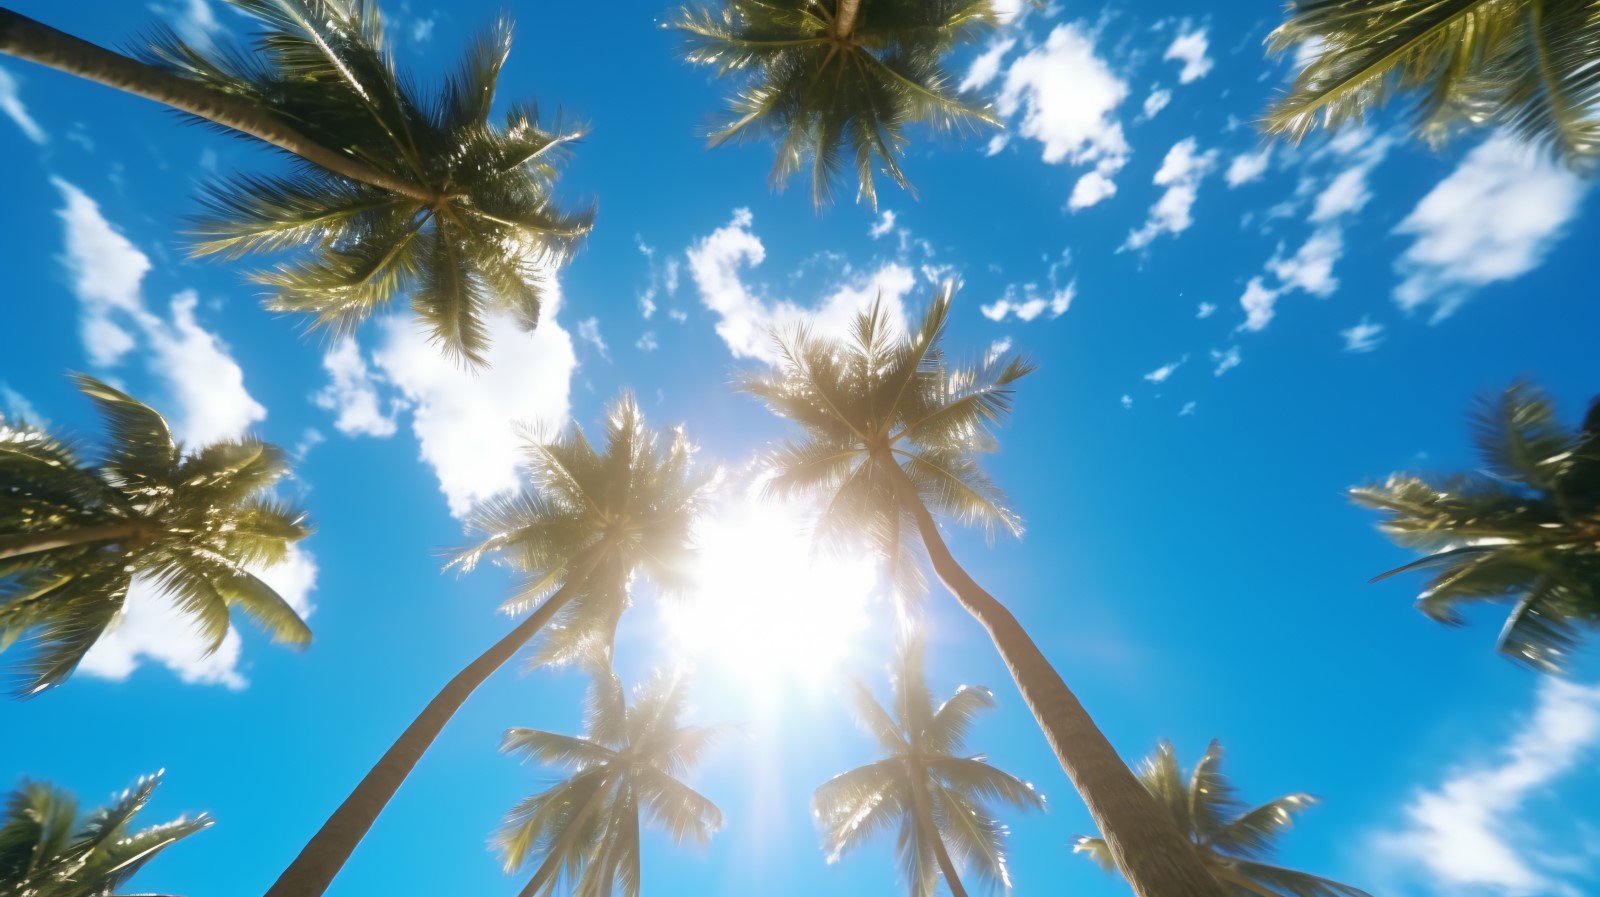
769, 613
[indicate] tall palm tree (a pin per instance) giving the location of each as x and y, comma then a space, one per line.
584, 525
891, 433
1525, 529
420, 195
1528, 65
1231, 839
74, 534
829, 77
46, 851
939, 797
632, 761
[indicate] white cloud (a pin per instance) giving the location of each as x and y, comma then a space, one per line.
1467, 834
1156, 101
1492, 219
1187, 410
647, 342
1346, 194
1311, 267
1162, 374
149, 628
1127, 401
1363, 337
107, 270
1189, 48
1225, 360
999, 347
194, 20
1205, 310
422, 30
746, 319
1026, 303
1092, 189
15, 406
1181, 172
589, 332
987, 66
1067, 98
1247, 167
1258, 301
883, 225
353, 394
200, 375
11, 104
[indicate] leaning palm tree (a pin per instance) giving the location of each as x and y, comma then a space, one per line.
891, 434
586, 523
1525, 530
826, 78
74, 535
632, 761
1527, 65
403, 194
46, 851
938, 796
1231, 839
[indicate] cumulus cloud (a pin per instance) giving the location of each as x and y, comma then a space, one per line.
883, 226
1181, 172
1363, 337
746, 317
1026, 302
201, 375
1310, 268
1247, 167
352, 392
1258, 302
1189, 48
1091, 189
11, 105
1468, 833
1492, 219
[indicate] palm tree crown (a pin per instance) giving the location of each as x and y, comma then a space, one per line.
476, 245
46, 851
1522, 64
878, 395
826, 78
1526, 529
1231, 839
74, 535
633, 505
631, 761
939, 797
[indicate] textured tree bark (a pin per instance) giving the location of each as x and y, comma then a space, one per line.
1147, 847
18, 544
326, 853
34, 41
844, 22
552, 862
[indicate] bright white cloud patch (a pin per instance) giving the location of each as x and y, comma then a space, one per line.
201, 375
1363, 337
1468, 833
987, 66
1258, 303
1492, 219
1181, 172
1311, 267
746, 318
1155, 102
1091, 189
1164, 373
11, 105
352, 393
1189, 48
1026, 302
1247, 167
107, 270
883, 226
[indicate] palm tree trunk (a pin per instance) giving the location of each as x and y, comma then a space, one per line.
924, 811
19, 544
326, 853
1147, 847
34, 41
551, 867
844, 20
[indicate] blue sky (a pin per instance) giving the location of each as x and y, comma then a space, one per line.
1228, 335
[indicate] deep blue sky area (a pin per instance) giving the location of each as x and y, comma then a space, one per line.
1225, 343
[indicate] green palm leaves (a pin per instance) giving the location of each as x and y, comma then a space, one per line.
1525, 64
1231, 839
831, 79
631, 762
1526, 530
46, 851
938, 798
884, 396
470, 239
73, 535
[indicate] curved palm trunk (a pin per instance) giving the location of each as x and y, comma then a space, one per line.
551, 866
1152, 854
19, 544
34, 41
326, 853
844, 21
924, 810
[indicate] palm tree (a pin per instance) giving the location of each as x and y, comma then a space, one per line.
829, 77
585, 524
891, 433
74, 535
420, 196
632, 760
939, 797
1526, 529
46, 851
1230, 839
1527, 65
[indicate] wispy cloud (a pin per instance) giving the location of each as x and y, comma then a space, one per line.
11, 104
1181, 172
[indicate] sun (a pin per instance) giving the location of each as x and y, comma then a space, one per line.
768, 612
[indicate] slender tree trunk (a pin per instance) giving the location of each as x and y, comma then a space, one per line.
551, 867
34, 41
19, 544
1144, 841
924, 811
326, 853
844, 20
